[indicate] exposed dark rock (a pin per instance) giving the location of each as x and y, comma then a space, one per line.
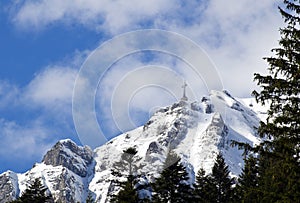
146, 126
68, 154
228, 94
204, 99
64, 185
163, 110
7, 184
176, 105
208, 106
152, 151
153, 148
237, 107
209, 109
195, 106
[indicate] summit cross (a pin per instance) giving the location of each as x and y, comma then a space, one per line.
184, 97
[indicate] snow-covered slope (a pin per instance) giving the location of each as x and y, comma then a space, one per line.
196, 131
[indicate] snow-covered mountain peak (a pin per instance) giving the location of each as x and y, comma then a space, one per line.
196, 130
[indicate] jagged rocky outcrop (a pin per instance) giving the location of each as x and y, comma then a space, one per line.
196, 131
66, 185
66, 153
65, 171
8, 186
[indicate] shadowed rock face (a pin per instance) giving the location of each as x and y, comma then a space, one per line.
65, 184
7, 190
66, 153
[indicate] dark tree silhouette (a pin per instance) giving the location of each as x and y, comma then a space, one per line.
172, 185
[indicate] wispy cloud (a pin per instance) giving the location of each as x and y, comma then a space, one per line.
125, 95
112, 16
35, 116
235, 34
51, 87
26, 142
8, 94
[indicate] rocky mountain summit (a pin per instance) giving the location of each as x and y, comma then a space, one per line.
64, 171
67, 154
196, 131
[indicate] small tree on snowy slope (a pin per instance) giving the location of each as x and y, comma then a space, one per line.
126, 169
204, 190
89, 198
248, 181
35, 193
222, 181
172, 185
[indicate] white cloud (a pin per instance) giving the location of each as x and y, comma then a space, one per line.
29, 136
23, 142
111, 16
50, 92
235, 34
129, 87
49, 88
45, 111
9, 94
53, 86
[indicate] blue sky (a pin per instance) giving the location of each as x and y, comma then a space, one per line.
44, 43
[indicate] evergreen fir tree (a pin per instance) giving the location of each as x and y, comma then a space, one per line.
172, 185
125, 172
247, 186
127, 166
35, 193
127, 194
222, 181
89, 198
279, 161
279, 174
204, 190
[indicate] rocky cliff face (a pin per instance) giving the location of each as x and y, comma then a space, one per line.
8, 186
67, 154
65, 171
196, 131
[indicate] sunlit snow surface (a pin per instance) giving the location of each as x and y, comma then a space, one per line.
193, 134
